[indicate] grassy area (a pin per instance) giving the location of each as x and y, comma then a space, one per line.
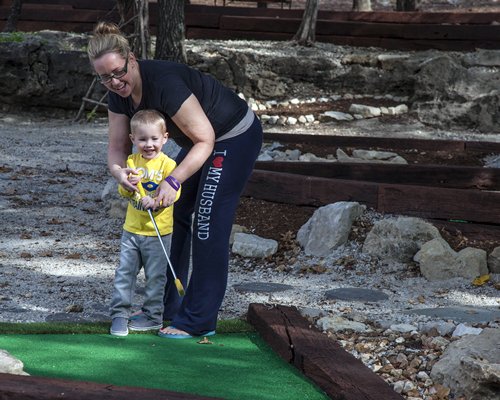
234, 364
7, 328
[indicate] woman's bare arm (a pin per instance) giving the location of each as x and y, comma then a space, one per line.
119, 147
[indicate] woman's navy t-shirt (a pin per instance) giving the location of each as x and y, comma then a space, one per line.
166, 85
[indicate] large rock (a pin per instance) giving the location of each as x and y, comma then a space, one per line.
474, 262
47, 69
10, 365
494, 261
329, 227
248, 245
398, 239
438, 261
454, 90
470, 366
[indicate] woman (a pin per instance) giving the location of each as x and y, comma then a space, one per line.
220, 139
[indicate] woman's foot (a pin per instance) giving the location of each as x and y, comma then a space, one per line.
171, 332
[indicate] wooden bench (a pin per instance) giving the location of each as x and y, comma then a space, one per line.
260, 3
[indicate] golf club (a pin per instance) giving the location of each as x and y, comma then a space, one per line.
178, 284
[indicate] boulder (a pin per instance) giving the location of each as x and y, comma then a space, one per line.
470, 366
329, 227
10, 365
494, 261
438, 261
248, 245
398, 239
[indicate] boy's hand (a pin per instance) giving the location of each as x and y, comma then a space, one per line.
147, 202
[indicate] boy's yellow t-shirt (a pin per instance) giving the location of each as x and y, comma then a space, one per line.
153, 172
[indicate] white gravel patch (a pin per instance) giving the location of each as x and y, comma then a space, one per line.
59, 247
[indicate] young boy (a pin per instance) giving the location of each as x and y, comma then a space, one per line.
140, 245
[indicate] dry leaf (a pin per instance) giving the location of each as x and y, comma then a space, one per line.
442, 392
75, 308
73, 256
481, 280
204, 341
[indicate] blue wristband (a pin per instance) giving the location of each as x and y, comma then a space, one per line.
174, 183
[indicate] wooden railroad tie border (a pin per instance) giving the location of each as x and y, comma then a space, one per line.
339, 374
444, 176
18, 387
390, 30
385, 143
413, 200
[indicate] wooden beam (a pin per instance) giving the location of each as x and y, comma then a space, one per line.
420, 201
222, 34
407, 44
87, 4
17, 387
415, 17
408, 174
364, 29
321, 359
309, 191
483, 147
198, 20
440, 203
369, 142
479, 232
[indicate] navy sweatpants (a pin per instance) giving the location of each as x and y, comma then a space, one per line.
203, 218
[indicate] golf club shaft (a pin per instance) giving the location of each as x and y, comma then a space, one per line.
178, 284
161, 242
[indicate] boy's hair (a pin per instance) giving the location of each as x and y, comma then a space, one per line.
148, 117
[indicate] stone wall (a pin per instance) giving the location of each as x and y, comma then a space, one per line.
445, 89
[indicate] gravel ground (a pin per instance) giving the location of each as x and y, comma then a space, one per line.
59, 248
59, 245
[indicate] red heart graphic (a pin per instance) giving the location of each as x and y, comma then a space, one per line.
217, 162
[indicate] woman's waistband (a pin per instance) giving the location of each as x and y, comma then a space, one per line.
241, 127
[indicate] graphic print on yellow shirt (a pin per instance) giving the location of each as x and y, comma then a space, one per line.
153, 172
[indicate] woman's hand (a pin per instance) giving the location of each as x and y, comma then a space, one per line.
165, 196
127, 177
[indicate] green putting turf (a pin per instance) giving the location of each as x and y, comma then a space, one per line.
235, 366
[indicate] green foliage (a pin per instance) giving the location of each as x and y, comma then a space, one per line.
91, 115
12, 37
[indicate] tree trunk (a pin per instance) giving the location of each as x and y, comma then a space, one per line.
141, 28
124, 7
407, 5
170, 38
15, 12
140, 39
306, 35
362, 5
